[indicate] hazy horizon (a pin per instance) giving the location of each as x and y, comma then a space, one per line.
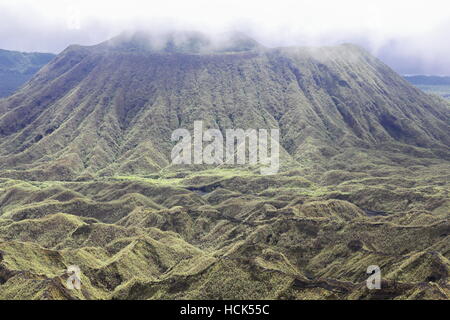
409, 36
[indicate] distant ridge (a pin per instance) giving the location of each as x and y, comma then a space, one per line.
16, 68
429, 80
439, 85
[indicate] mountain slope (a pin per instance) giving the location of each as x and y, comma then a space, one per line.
86, 179
16, 68
110, 108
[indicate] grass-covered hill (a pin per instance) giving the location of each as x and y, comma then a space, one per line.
16, 68
86, 179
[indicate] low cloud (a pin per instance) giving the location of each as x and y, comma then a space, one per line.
411, 36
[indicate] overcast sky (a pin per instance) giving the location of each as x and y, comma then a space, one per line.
411, 36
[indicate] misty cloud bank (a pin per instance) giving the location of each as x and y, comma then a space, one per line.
410, 36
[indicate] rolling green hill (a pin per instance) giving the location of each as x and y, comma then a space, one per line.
86, 178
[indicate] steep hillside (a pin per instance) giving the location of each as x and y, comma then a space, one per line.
16, 68
86, 177
111, 108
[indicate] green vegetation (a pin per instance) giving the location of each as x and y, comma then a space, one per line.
16, 68
86, 179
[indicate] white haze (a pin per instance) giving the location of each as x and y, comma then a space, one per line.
411, 36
